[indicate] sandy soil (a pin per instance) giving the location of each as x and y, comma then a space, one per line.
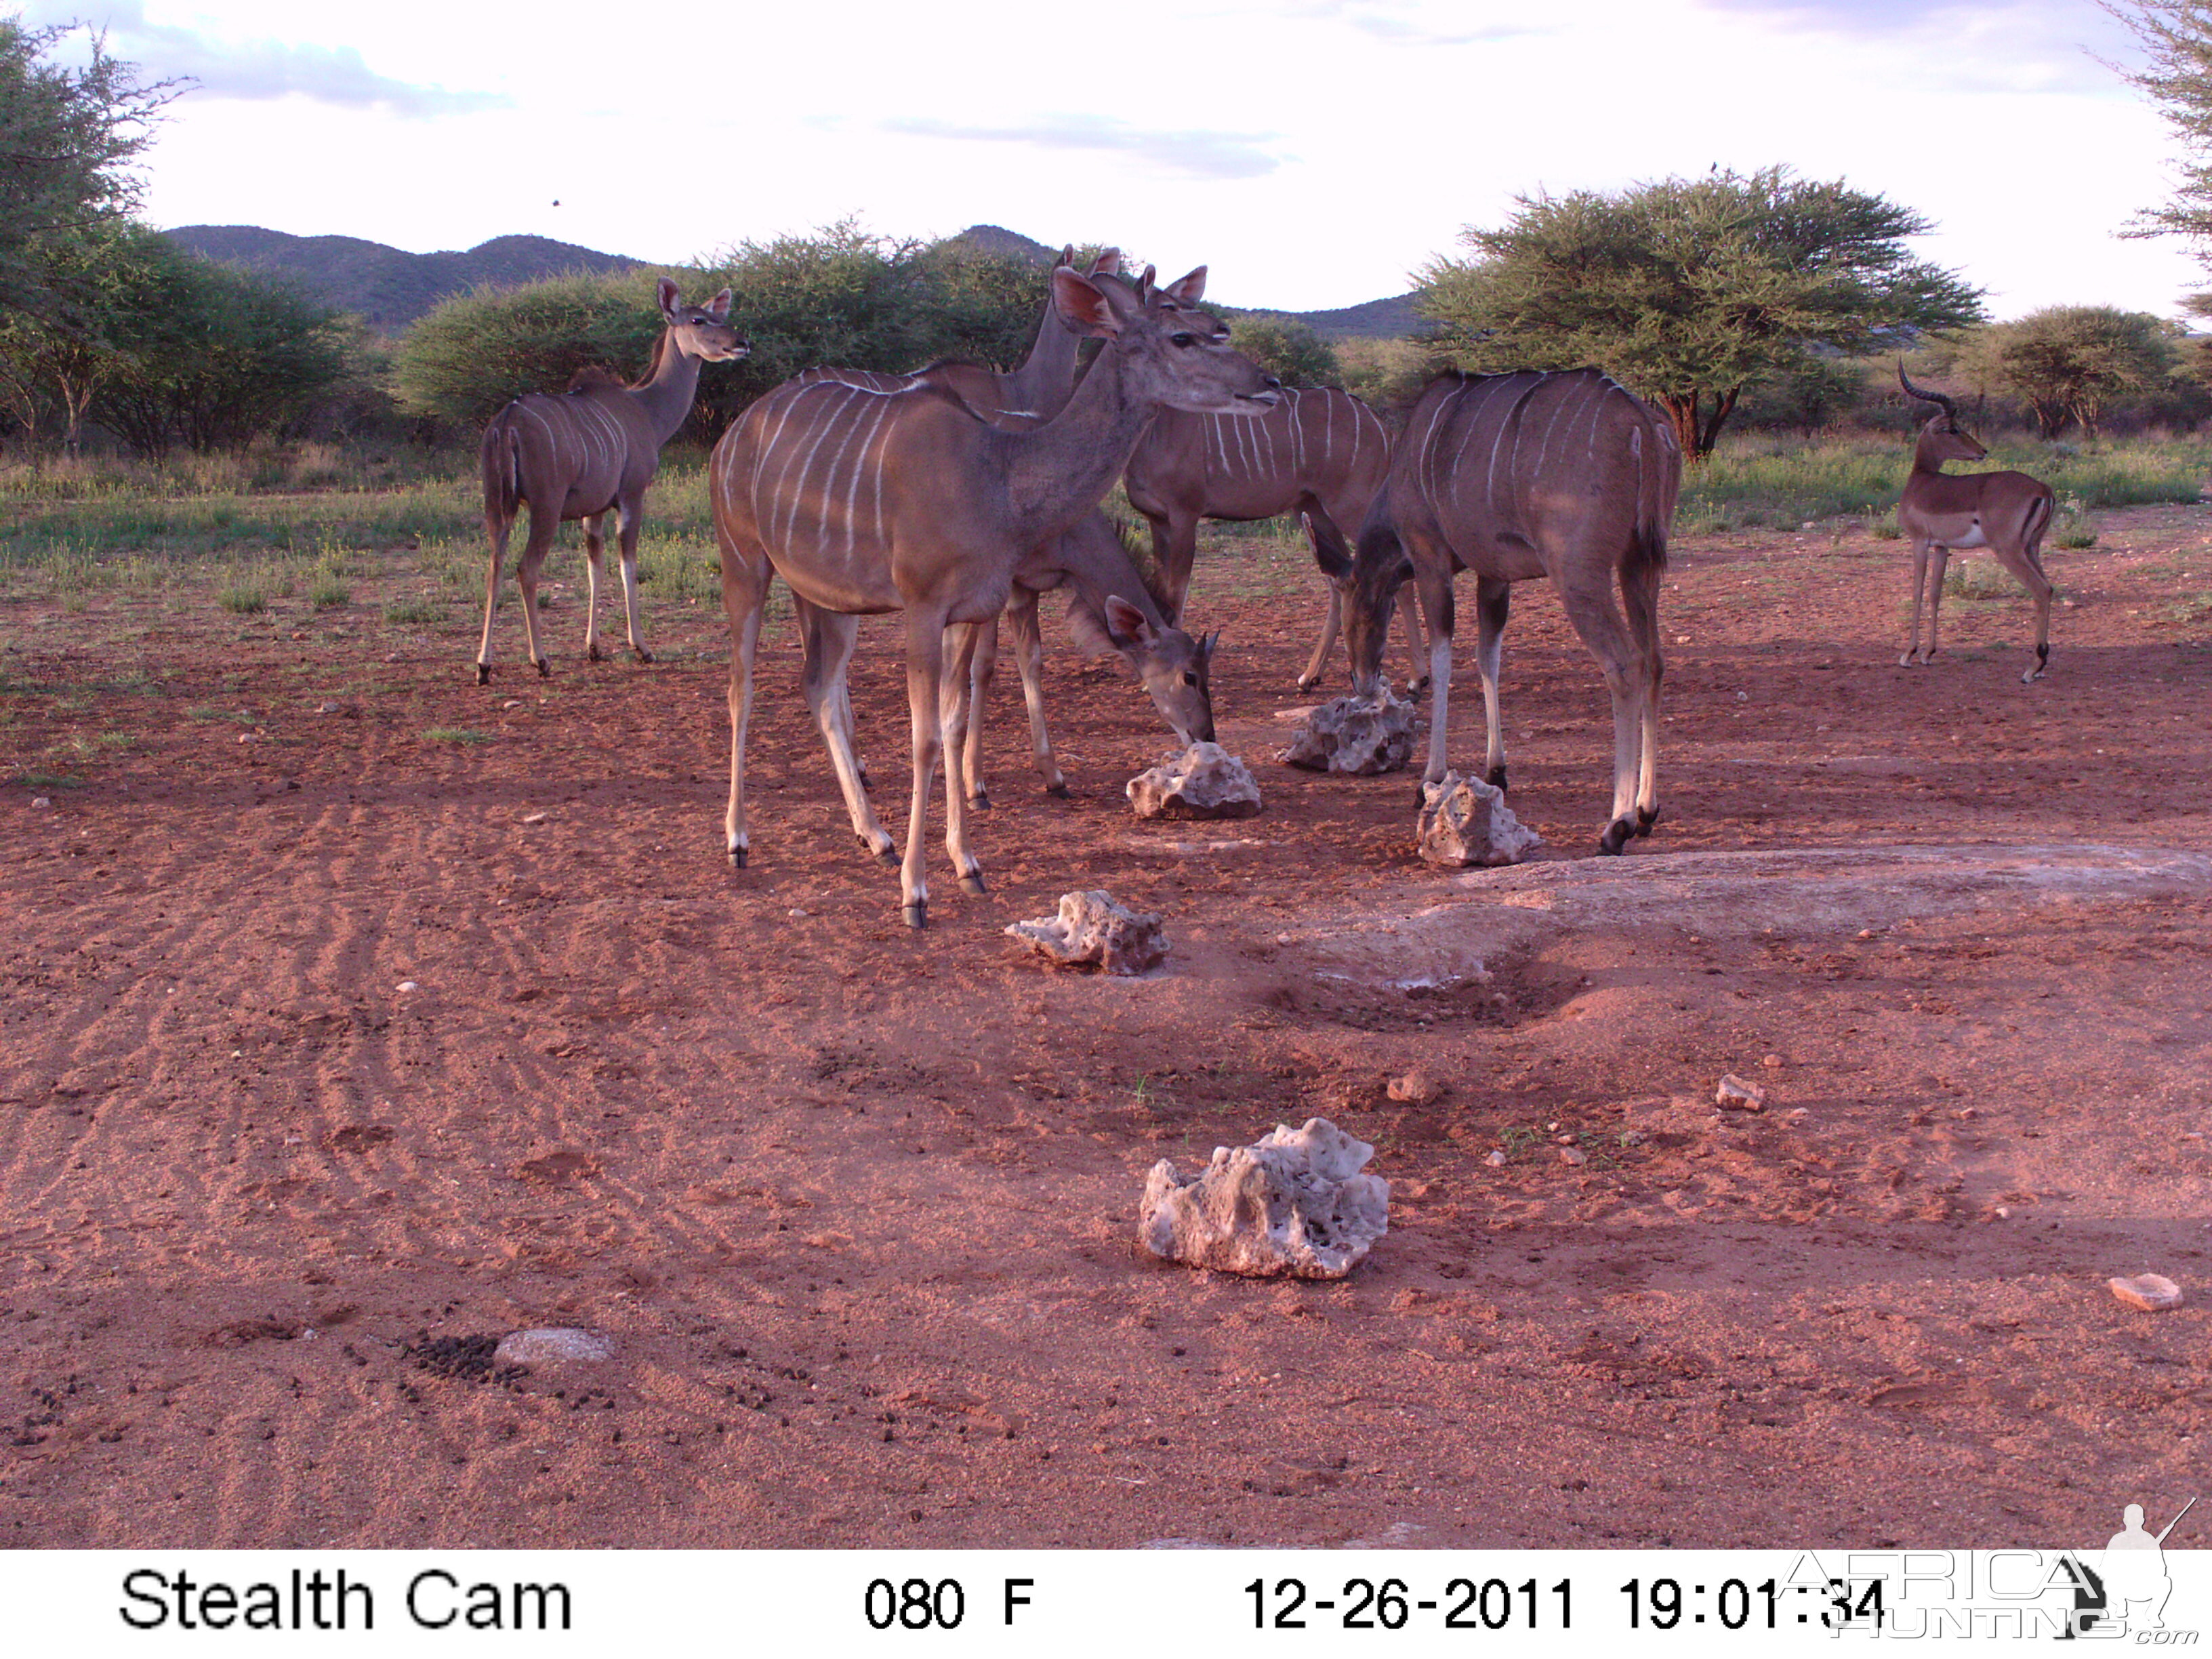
857, 1205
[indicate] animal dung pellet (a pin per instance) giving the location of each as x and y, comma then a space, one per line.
1295, 1204
1203, 781
1465, 821
1356, 735
2152, 1292
1415, 1089
552, 1346
1735, 1094
1093, 931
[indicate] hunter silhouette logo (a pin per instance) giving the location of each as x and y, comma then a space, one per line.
2136, 1580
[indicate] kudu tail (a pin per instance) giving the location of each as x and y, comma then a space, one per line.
501, 457
1658, 482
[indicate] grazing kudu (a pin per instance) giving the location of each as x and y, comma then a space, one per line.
587, 451
1513, 476
866, 501
2005, 512
1319, 452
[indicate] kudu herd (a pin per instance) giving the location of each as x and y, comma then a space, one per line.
954, 496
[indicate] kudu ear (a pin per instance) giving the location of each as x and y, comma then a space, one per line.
1107, 264
1067, 257
669, 298
1085, 307
1330, 552
1087, 631
1125, 624
719, 307
1188, 291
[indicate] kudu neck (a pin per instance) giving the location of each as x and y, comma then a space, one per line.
666, 396
1059, 471
1098, 571
1047, 375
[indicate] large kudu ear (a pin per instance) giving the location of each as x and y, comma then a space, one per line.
1067, 257
1092, 310
1107, 264
719, 307
670, 299
1330, 552
1125, 624
1188, 291
1089, 632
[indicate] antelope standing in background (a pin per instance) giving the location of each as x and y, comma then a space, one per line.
1515, 476
866, 501
1322, 452
2005, 512
587, 451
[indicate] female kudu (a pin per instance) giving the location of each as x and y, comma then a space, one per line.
1513, 477
591, 450
866, 501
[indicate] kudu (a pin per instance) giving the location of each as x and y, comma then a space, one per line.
589, 451
1321, 453
1566, 476
2005, 512
866, 501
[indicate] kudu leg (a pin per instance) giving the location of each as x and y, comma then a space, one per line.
1432, 575
1494, 604
497, 526
925, 675
829, 639
985, 670
1177, 554
633, 520
1639, 593
953, 710
744, 592
1417, 641
1029, 658
1598, 622
1329, 629
525, 576
595, 550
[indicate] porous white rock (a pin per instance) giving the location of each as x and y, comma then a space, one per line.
1465, 821
1204, 781
2152, 1292
552, 1346
1093, 930
1295, 1204
1358, 735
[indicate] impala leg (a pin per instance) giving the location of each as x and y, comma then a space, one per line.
744, 591
1029, 658
985, 670
1597, 620
2027, 569
1417, 641
1329, 629
1640, 593
1494, 602
595, 548
633, 520
961, 639
497, 527
1939, 559
543, 524
829, 639
925, 672
1919, 585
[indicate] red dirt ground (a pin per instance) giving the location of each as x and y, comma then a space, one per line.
857, 1205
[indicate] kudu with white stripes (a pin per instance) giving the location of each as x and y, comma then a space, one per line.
589, 451
2005, 512
866, 501
1513, 476
1322, 452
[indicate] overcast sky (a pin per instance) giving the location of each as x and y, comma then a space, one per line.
1314, 153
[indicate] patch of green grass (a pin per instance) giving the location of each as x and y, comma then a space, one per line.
327, 589
246, 596
415, 611
455, 734
40, 779
1980, 579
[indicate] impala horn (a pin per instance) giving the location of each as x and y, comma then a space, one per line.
1912, 390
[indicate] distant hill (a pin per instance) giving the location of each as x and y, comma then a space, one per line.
392, 287
387, 286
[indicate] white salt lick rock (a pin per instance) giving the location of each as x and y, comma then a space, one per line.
1204, 781
1465, 821
1092, 931
1295, 1204
552, 1346
1354, 735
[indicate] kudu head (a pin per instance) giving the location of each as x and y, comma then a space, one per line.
1173, 666
701, 331
1369, 580
1171, 354
1942, 437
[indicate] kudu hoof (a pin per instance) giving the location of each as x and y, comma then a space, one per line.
888, 852
643, 655
483, 673
1496, 779
593, 653
1616, 837
1645, 817
545, 669
1305, 685
917, 914
972, 884
981, 800
1058, 792
737, 858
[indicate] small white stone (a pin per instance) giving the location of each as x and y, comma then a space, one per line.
1496, 1160
2152, 1292
406, 985
1574, 1155
535, 817
42, 801
1415, 1089
553, 1346
1735, 1094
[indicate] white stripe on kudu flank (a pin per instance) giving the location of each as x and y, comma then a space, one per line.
860, 466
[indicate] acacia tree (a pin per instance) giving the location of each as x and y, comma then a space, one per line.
1286, 348
1689, 289
2176, 38
2073, 364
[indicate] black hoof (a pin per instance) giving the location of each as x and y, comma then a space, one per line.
1414, 688
1305, 685
888, 852
643, 655
980, 800
1497, 778
737, 858
1616, 835
972, 883
1058, 792
917, 914
595, 654
545, 669
483, 673
1645, 817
